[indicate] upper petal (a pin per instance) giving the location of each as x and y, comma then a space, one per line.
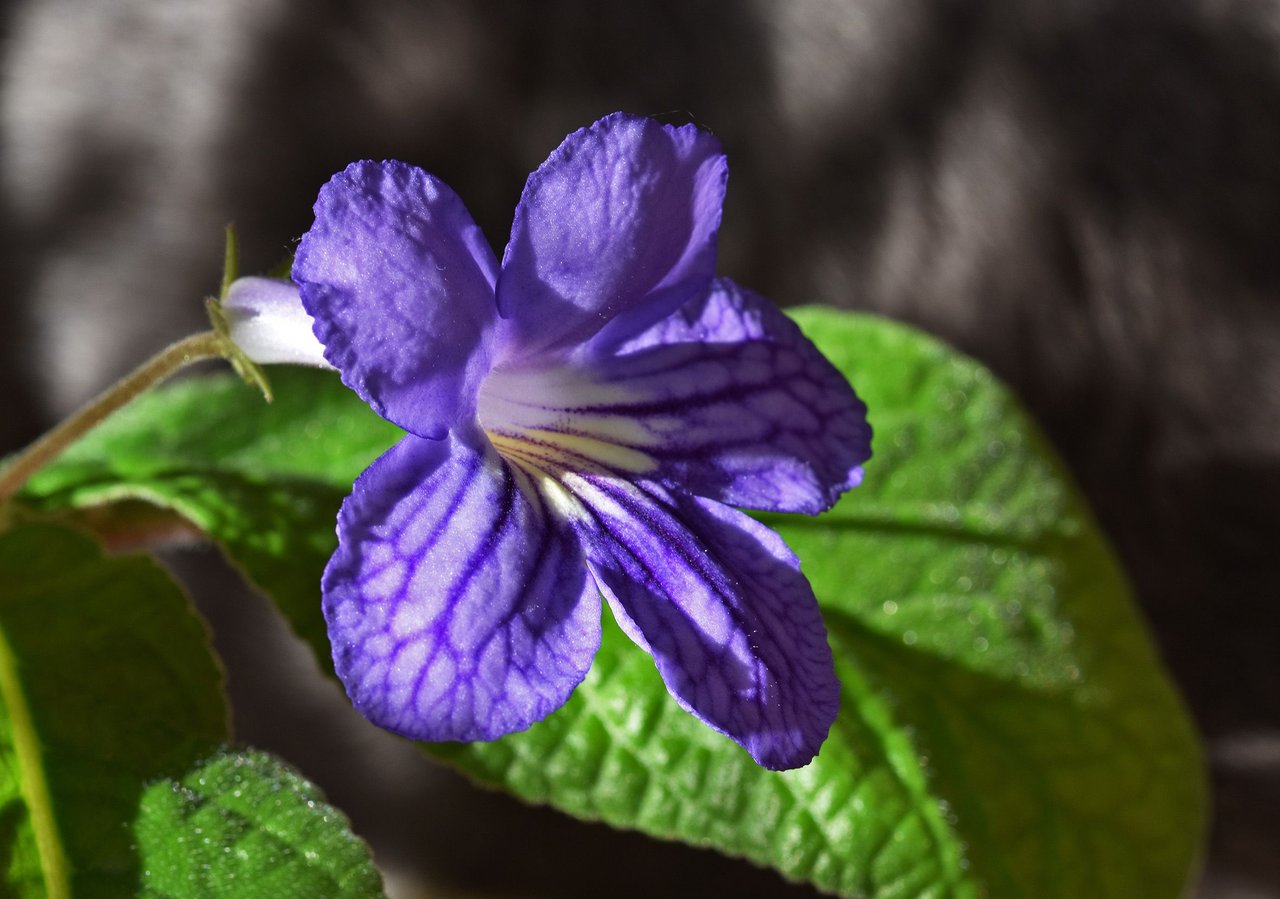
726, 312
726, 398
458, 606
400, 283
720, 603
740, 406
613, 231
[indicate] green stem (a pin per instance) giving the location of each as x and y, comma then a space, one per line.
208, 345
32, 780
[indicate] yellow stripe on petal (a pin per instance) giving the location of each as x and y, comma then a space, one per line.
540, 469
554, 418
585, 448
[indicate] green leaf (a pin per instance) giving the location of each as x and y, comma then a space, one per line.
995, 626
1006, 728
107, 681
265, 481
243, 823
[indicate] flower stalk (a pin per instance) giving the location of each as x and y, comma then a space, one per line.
206, 345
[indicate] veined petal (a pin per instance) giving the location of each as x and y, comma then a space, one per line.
720, 603
614, 231
267, 321
400, 282
726, 312
726, 398
458, 607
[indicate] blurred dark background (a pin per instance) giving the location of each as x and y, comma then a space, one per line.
1083, 194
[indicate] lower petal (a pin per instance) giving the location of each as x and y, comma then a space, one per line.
458, 607
720, 603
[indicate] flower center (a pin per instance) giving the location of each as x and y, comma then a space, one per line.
553, 422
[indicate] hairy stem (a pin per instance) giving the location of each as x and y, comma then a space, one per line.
207, 345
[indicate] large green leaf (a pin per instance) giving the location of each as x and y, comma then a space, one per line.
1006, 727
970, 591
243, 824
107, 682
264, 480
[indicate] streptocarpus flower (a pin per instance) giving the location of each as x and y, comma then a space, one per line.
581, 419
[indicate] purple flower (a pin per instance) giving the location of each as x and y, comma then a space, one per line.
580, 418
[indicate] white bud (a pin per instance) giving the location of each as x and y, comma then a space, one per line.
266, 320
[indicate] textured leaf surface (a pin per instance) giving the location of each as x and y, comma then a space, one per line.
265, 481
243, 824
107, 681
1006, 729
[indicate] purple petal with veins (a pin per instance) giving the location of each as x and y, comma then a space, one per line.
726, 312
458, 607
726, 398
400, 282
720, 603
615, 230
602, 394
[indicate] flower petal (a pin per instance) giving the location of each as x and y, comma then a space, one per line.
726, 312
720, 603
400, 282
614, 231
267, 321
726, 398
458, 607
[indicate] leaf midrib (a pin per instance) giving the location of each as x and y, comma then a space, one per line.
912, 780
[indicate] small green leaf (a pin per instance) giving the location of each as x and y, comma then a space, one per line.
282, 269
242, 824
249, 371
1006, 728
107, 681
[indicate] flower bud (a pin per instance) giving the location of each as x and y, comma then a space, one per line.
266, 319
